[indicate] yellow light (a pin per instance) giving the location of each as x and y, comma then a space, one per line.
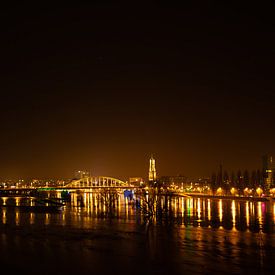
182, 207
17, 219
233, 190
4, 217
247, 214
259, 191
220, 210
260, 214
199, 209
233, 213
219, 191
47, 219
4, 201
209, 209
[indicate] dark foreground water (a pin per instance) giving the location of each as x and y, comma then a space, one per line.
198, 236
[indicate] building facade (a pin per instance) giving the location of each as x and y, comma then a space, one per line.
268, 171
136, 181
82, 174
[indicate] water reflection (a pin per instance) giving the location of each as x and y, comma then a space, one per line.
188, 234
247, 213
208, 210
226, 214
220, 210
233, 208
32, 216
4, 216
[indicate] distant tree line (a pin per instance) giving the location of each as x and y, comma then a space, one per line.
239, 181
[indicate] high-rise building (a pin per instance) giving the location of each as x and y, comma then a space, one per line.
82, 174
152, 169
268, 170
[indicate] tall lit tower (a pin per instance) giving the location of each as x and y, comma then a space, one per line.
152, 169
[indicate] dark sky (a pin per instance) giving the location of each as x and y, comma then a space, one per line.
100, 87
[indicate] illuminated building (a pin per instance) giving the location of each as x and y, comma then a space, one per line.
136, 181
152, 169
82, 174
179, 181
268, 170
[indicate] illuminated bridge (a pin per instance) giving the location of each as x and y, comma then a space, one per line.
97, 182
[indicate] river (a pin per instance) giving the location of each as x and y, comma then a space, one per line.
196, 236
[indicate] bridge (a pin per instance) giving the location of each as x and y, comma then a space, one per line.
99, 182
96, 182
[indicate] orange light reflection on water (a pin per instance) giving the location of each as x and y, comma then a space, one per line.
199, 209
247, 213
220, 210
233, 208
209, 210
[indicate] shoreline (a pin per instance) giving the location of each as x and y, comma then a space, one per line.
265, 199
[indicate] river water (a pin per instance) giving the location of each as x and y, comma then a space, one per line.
197, 236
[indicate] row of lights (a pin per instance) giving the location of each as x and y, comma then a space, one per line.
247, 191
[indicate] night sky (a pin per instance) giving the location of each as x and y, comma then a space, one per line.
101, 87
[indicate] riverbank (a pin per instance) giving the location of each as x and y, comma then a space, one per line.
200, 195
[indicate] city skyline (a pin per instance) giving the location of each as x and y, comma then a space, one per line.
266, 169
100, 87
